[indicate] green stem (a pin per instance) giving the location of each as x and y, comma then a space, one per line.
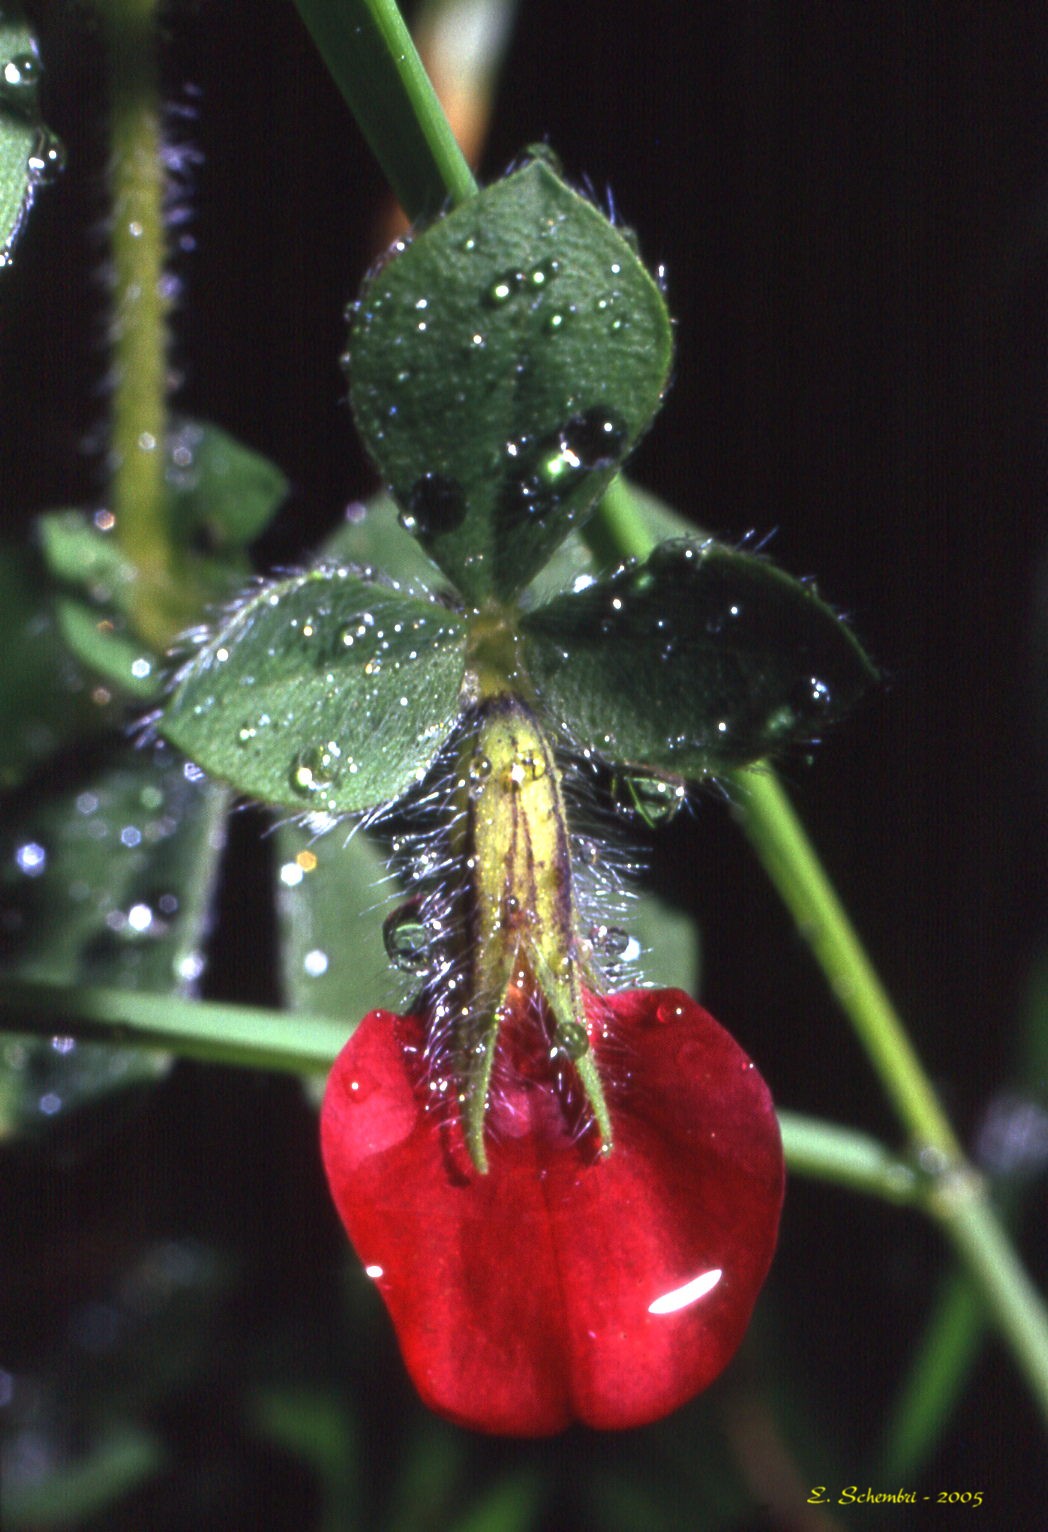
958, 1199
826, 1152
368, 49
248, 1036
253, 1037
792, 865
140, 306
937, 1372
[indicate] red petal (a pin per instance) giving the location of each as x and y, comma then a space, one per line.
522, 1299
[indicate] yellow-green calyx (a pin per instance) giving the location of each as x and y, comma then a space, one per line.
523, 925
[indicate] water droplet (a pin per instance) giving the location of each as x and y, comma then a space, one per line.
31, 859
654, 799
668, 1011
609, 941
596, 437
315, 769
436, 505
408, 939
503, 288
47, 159
541, 276
19, 78
814, 695
141, 919
479, 770
547, 471
571, 1039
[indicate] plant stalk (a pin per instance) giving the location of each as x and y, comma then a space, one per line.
138, 496
375, 64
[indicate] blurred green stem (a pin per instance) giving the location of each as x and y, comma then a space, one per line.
248, 1036
937, 1370
138, 324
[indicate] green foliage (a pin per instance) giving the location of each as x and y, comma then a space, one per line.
222, 495
29, 154
331, 895
44, 701
502, 365
105, 879
327, 692
696, 661
221, 488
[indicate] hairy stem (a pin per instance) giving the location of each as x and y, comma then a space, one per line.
140, 305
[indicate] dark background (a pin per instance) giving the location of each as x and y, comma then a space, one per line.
851, 203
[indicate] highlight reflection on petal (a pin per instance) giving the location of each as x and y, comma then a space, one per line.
691, 1292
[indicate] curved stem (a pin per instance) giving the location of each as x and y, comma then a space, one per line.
826, 1152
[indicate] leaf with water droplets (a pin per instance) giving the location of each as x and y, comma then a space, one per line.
106, 878
326, 692
29, 154
578, 561
502, 365
697, 661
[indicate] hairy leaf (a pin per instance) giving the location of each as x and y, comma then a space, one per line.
326, 692
502, 365
696, 661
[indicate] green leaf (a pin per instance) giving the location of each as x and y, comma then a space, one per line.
332, 895
93, 615
586, 554
696, 661
29, 154
221, 486
107, 648
105, 879
669, 940
327, 692
43, 698
82, 553
502, 365
371, 534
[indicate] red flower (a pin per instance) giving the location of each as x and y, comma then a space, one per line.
564, 1284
